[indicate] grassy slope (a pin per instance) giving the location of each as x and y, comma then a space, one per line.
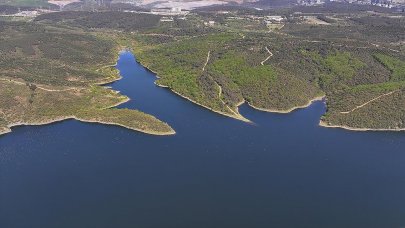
49, 74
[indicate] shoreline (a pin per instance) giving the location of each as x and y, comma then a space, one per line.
287, 111
309, 103
60, 119
112, 78
108, 80
5, 131
240, 117
324, 124
118, 104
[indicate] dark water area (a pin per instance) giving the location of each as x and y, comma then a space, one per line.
283, 171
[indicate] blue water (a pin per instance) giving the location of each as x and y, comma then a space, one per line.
284, 171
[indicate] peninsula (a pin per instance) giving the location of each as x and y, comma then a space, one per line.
49, 74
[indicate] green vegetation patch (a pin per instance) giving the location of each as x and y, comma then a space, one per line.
235, 66
180, 64
383, 107
396, 66
28, 104
235, 71
254, 82
336, 68
342, 65
307, 61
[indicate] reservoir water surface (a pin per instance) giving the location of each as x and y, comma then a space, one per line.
283, 171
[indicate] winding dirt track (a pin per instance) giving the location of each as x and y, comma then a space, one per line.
270, 55
206, 62
38, 87
220, 92
223, 102
370, 101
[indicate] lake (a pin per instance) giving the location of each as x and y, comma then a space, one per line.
282, 171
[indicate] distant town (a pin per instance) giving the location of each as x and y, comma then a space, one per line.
381, 3
182, 8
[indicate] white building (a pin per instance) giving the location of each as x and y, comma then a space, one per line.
274, 19
176, 9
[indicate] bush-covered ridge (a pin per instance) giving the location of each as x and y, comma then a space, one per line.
28, 105
356, 62
235, 72
49, 74
355, 74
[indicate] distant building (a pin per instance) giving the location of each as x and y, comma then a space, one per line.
166, 19
381, 3
274, 19
176, 9
62, 3
209, 23
310, 2
170, 11
26, 14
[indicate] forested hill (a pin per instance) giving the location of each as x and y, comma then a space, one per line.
49, 74
221, 59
